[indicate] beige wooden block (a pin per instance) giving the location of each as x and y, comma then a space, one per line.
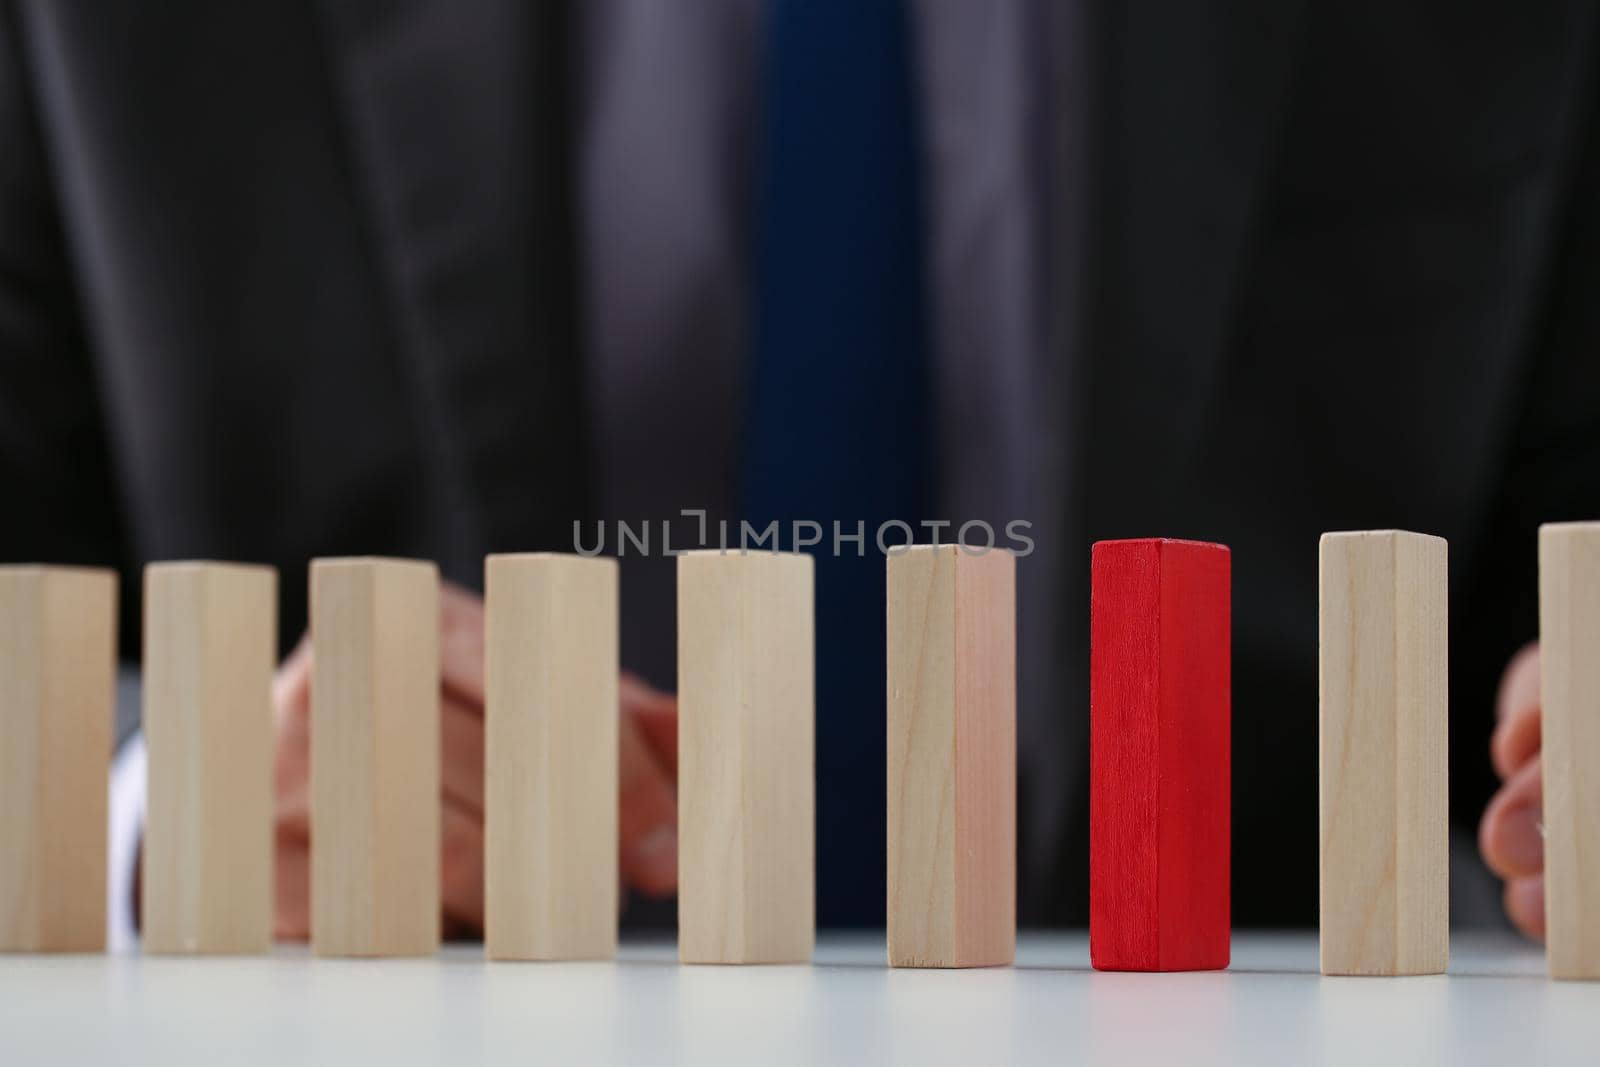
746, 758
375, 757
1569, 643
58, 654
210, 642
952, 700
1384, 766
551, 764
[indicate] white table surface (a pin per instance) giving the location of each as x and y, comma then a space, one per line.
1494, 1007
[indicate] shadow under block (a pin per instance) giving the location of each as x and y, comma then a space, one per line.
746, 766
1569, 642
551, 757
952, 774
210, 643
1384, 769
57, 678
1159, 775
374, 757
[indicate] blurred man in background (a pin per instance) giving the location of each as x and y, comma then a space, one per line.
283, 280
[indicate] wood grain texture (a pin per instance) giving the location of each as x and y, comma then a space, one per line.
57, 676
952, 757
1384, 761
746, 758
375, 757
551, 763
1160, 720
1569, 642
210, 643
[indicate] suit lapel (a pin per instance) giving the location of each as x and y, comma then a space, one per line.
457, 119
1190, 101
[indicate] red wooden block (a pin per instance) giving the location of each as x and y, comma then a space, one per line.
1160, 617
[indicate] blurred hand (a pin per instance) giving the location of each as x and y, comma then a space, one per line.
648, 743
1511, 836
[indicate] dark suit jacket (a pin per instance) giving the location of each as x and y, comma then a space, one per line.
291, 278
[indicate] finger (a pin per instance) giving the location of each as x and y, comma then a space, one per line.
461, 748
1510, 836
1524, 900
657, 715
647, 817
461, 869
291, 695
461, 644
1519, 685
1516, 735
291, 815
292, 878
1516, 740
291, 682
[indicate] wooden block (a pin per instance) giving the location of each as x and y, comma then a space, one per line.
1159, 756
58, 655
1569, 642
952, 681
1384, 766
746, 758
551, 768
375, 757
210, 642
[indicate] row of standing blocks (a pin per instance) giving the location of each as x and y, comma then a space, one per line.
1160, 755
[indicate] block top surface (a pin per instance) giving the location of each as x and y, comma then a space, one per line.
572, 558
22, 570
1158, 542
174, 566
1379, 535
901, 550
1569, 529
44, 581
768, 558
330, 563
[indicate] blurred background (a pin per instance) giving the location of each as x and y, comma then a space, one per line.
413, 277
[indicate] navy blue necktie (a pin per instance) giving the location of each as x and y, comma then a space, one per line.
838, 392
